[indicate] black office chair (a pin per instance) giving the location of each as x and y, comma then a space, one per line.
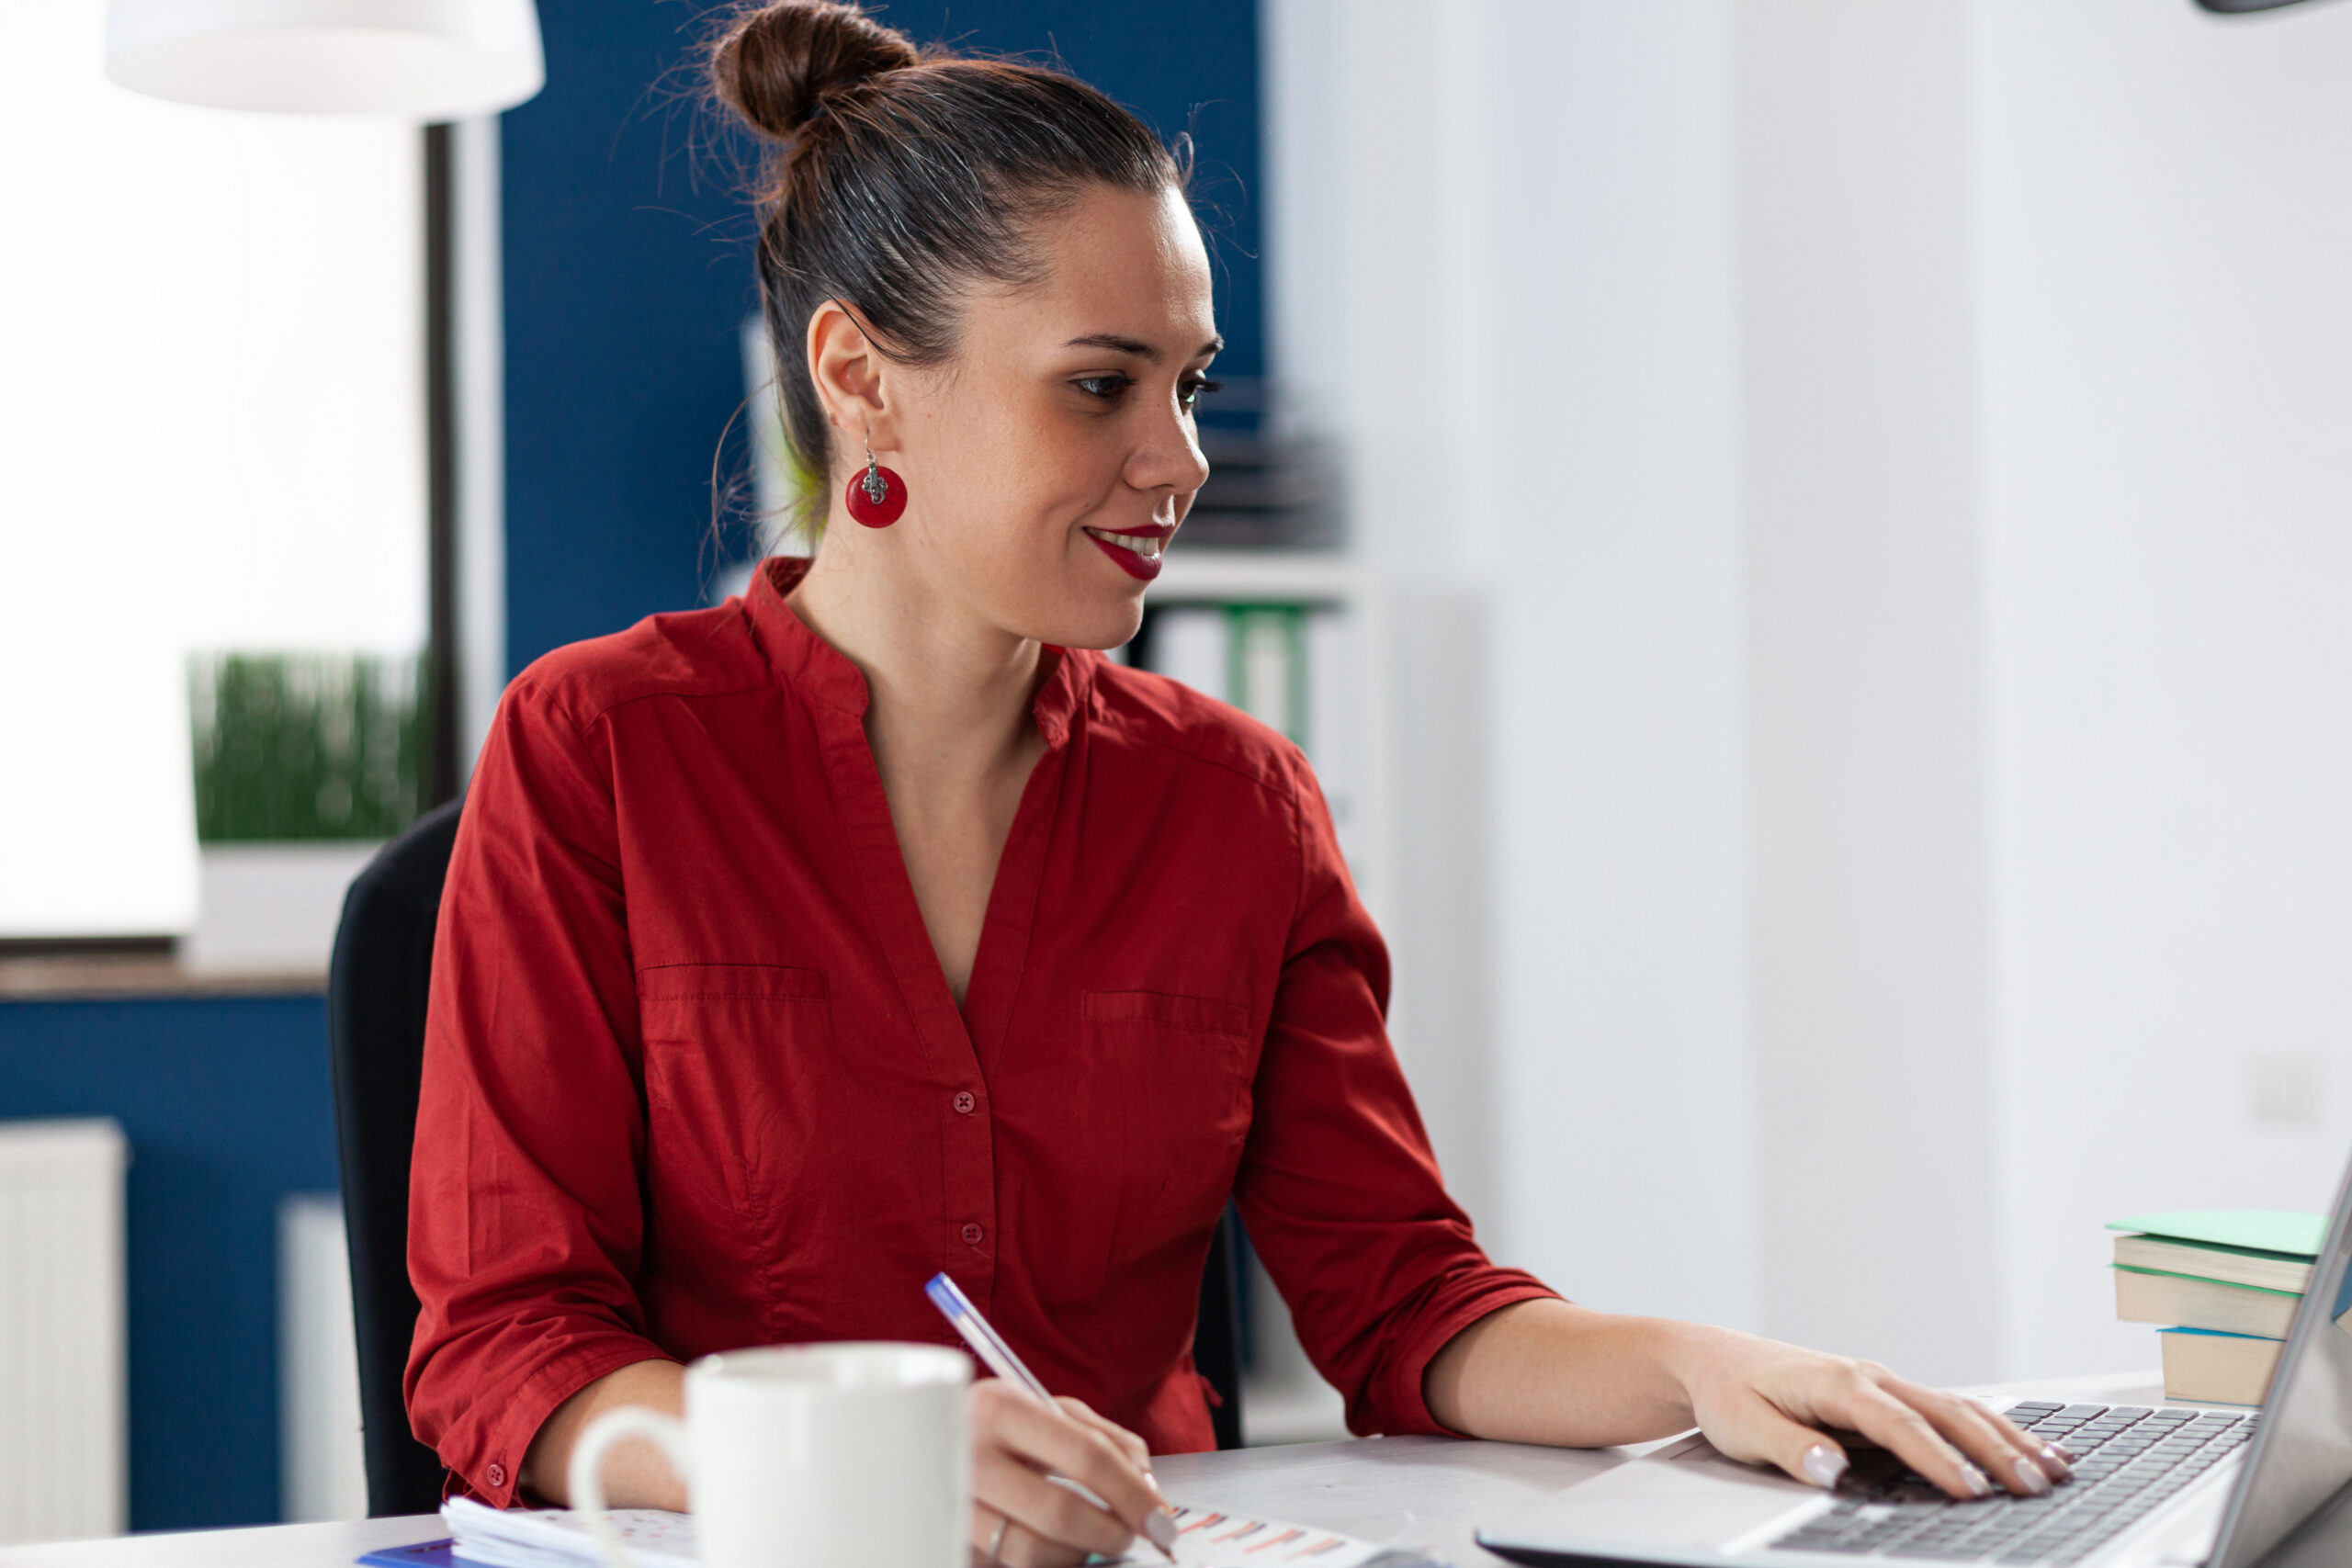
376, 986
376, 990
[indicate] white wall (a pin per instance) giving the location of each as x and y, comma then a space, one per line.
1882, 469
1865, 668
2167, 296
1608, 445
1538, 399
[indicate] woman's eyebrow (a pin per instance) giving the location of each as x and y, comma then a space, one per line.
1136, 346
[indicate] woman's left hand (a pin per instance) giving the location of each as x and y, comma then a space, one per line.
1772, 1404
1549, 1371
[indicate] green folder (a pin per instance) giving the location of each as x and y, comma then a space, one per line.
2253, 1230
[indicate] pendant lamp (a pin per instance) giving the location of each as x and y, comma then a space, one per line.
427, 60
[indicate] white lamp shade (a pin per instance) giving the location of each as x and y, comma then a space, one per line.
429, 59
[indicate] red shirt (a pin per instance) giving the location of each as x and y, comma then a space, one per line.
693, 1078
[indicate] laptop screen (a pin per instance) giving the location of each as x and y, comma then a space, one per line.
2303, 1453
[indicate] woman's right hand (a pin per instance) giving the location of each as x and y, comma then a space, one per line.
1023, 1519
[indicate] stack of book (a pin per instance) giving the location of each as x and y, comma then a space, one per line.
2224, 1283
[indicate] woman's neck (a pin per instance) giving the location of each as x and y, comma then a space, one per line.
948, 716
948, 697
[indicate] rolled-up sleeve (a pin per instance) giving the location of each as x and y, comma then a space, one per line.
525, 1219
1338, 1187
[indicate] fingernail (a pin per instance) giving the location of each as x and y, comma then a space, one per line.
1823, 1465
2069, 1455
2029, 1476
2054, 1461
1161, 1526
1974, 1480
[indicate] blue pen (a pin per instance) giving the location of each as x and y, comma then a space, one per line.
990, 1347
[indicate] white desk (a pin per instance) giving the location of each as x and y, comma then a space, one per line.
1427, 1491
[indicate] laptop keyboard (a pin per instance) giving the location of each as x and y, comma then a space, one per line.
2130, 1461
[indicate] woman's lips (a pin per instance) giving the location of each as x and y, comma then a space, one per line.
1136, 552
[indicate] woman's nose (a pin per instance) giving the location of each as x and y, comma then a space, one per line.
1171, 459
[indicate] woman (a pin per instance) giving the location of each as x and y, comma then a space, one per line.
871, 925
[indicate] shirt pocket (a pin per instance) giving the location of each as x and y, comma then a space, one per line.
1183, 1065
724, 1045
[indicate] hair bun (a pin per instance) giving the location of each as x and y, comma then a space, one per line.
775, 62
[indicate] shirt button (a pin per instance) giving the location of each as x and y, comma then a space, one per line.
971, 1238
965, 1101
496, 1476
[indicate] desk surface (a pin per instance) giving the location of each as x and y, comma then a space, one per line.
1427, 1491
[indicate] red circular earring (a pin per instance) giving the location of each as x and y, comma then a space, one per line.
877, 496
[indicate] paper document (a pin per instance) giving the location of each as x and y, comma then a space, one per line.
1208, 1538
557, 1538
1205, 1538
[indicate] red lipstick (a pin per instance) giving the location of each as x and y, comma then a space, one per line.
1134, 563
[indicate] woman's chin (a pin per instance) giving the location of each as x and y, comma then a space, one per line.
1101, 626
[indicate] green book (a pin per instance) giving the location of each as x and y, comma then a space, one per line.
2254, 1230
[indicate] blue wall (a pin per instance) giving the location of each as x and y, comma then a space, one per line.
227, 1106
627, 271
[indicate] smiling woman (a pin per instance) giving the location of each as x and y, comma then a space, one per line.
872, 924
1037, 454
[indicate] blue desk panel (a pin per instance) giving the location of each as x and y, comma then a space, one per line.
226, 1102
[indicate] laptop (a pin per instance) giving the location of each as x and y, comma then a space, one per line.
2153, 1485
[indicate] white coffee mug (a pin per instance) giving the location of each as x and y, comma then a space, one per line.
811, 1456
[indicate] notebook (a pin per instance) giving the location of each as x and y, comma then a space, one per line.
557, 1538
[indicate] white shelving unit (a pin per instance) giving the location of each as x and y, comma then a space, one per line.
1284, 577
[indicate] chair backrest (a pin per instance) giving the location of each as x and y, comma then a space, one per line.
376, 988
1217, 1333
376, 993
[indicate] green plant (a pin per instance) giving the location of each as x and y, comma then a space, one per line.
307, 745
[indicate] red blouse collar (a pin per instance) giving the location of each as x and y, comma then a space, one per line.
810, 663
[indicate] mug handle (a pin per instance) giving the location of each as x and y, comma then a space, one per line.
665, 1432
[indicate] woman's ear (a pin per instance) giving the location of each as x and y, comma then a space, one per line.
849, 372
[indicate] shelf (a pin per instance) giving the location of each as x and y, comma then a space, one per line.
1275, 576
93, 977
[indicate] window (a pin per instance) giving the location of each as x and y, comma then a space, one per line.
211, 441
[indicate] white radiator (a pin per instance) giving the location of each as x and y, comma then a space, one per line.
62, 1416
322, 1461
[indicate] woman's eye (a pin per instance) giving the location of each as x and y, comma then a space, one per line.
1189, 393
1103, 387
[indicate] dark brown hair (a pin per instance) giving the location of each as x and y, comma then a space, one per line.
901, 177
